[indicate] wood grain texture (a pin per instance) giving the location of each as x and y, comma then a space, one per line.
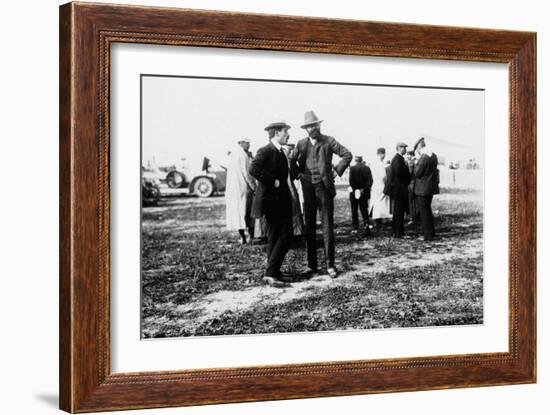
86, 33
65, 247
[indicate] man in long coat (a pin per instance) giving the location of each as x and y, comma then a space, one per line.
360, 182
380, 203
311, 162
397, 187
240, 185
273, 200
426, 185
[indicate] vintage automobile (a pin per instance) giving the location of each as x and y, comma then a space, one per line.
204, 182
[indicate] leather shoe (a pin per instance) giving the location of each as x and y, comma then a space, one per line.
284, 277
274, 282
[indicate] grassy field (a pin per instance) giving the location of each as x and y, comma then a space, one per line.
197, 280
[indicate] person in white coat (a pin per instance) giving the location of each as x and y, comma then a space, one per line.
240, 187
379, 201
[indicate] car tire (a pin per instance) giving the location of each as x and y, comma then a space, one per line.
175, 180
203, 187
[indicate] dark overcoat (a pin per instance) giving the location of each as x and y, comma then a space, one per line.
360, 177
427, 176
398, 178
269, 165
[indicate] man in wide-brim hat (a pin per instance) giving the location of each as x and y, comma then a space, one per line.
311, 162
397, 183
272, 200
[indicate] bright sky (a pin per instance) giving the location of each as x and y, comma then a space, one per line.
192, 118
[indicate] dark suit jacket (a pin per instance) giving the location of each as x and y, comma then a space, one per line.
360, 177
427, 176
398, 178
329, 146
269, 165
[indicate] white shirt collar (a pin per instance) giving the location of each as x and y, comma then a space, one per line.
276, 144
313, 141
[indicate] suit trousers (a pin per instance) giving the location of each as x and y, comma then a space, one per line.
424, 207
317, 197
248, 219
413, 212
279, 235
361, 204
400, 206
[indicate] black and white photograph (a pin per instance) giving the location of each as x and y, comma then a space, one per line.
291, 206
275, 207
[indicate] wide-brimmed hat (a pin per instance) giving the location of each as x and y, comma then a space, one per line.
420, 140
277, 124
244, 140
310, 119
358, 159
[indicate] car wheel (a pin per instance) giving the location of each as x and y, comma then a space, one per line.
175, 180
204, 187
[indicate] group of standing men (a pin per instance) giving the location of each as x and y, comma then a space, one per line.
311, 164
269, 196
423, 185
404, 186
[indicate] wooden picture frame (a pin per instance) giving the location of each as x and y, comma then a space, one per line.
86, 33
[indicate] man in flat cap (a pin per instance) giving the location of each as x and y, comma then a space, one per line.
397, 187
273, 201
425, 186
360, 182
311, 162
